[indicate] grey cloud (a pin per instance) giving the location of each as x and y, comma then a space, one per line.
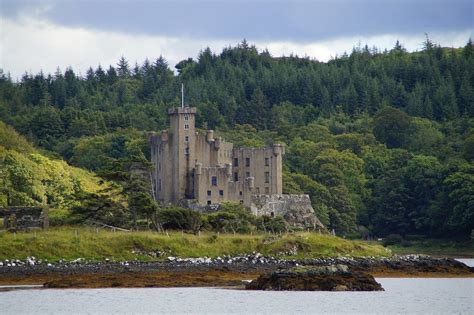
303, 21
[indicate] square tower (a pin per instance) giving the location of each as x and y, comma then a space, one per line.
182, 146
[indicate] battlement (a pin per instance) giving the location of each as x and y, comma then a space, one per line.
182, 110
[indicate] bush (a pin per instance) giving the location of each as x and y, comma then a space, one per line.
232, 217
230, 222
176, 218
273, 225
392, 239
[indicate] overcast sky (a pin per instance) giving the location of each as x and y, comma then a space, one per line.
44, 34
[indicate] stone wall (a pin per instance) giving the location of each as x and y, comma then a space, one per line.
24, 218
295, 209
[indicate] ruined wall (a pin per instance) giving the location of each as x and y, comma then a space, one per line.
296, 209
24, 218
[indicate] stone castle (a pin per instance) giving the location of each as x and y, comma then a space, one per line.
200, 170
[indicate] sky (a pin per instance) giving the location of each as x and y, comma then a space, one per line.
42, 35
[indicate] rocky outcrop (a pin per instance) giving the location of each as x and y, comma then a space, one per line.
324, 278
295, 209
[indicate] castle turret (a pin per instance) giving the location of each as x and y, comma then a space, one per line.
210, 136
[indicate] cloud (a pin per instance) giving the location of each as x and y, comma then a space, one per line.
263, 20
31, 44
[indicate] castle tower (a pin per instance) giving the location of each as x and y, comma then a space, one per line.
182, 150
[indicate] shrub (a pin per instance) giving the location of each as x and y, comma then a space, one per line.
176, 218
273, 225
232, 217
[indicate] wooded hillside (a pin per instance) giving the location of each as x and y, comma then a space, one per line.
379, 139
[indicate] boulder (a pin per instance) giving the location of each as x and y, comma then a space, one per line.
323, 278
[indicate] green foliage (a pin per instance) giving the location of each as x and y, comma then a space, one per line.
460, 195
11, 140
390, 127
273, 225
100, 208
33, 179
232, 217
176, 218
382, 139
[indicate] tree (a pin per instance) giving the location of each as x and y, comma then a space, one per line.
47, 126
390, 125
460, 194
123, 69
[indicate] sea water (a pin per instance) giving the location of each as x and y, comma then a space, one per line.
401, 296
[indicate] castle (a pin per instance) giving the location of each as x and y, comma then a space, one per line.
200, 170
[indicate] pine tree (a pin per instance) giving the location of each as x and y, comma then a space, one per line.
123, 69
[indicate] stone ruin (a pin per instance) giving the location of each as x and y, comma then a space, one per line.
295, 209
24, 218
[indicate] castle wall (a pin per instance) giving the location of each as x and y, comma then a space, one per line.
211, 185
214, 185
211, 152
262, 164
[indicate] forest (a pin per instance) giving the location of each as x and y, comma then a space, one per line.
382, 141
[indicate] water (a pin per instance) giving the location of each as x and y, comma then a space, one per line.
467, 261
402, 296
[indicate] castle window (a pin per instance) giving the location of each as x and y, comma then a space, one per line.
208, 202
214, 180
209, 193
186, 151
247, 162
247, 174
272, 214
221, 193
240, 193
267, 191
236, 177
267, 162
186, 138
241, 201
267, 177
186, 126
186, 117
236, 162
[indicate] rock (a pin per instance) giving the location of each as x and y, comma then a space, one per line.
323, 278
295, 209
340, 287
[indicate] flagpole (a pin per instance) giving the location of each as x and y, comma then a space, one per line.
182, 95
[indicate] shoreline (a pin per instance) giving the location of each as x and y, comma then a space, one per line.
210, 273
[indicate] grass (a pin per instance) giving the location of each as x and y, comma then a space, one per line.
435, 248
70, 243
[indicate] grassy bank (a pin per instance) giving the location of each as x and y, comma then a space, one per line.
72, 243
447, 248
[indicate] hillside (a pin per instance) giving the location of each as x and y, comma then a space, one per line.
29, 178
382, 141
